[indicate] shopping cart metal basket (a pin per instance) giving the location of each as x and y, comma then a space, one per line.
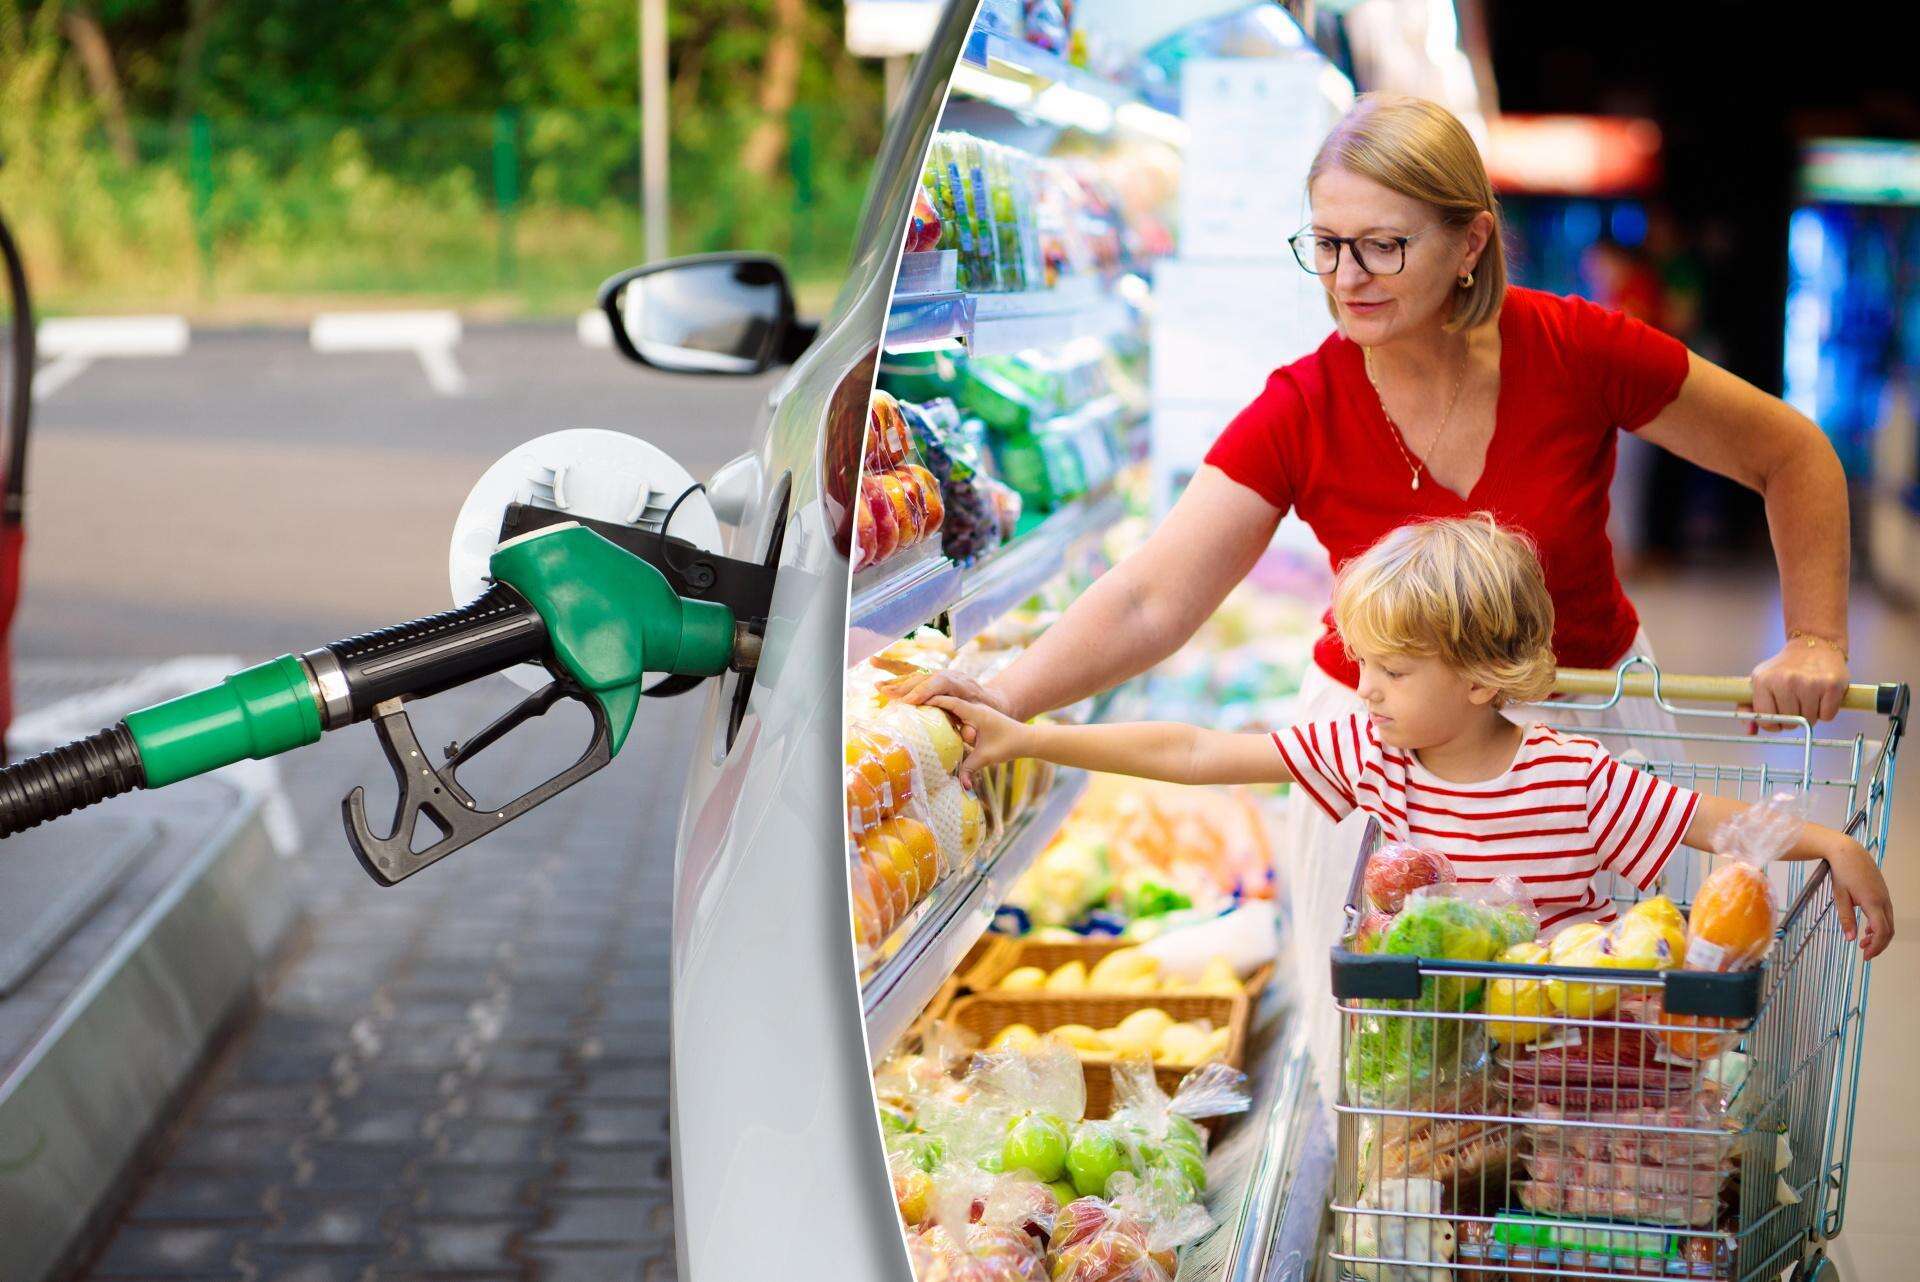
1527, 1120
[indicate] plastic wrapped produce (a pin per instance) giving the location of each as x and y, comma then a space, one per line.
924, 226
1402, 1233
899, 505
1398, 868
972, 526
1732, 918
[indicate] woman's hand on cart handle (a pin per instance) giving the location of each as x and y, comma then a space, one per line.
1808, 678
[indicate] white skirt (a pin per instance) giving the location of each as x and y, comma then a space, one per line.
1316, 856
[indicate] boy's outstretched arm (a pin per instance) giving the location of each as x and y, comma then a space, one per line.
1162, 750
1857, 883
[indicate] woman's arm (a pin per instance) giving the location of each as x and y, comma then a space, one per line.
1135, 614
1857, 883
1162, 750
1727, 425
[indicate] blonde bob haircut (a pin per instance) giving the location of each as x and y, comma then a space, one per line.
1461, 590
1420, 150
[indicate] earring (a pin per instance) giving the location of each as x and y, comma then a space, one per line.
1466, 282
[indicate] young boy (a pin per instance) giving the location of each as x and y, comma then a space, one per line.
1449, 621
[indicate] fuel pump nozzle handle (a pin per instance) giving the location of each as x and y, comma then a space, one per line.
598, 617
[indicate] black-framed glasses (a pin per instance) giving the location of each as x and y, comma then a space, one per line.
1377, 255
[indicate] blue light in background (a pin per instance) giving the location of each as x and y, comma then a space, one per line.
1629, 223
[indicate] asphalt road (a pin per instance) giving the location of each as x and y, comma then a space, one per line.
254, 496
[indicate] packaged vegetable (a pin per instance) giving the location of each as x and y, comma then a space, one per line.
1398, 868
1732, 919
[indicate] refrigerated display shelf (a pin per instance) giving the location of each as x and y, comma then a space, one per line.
1272, 1228
918, 321
1002, 324
973, 598
1039, 67
954, 917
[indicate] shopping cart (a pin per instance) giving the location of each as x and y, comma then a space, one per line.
1578, 1142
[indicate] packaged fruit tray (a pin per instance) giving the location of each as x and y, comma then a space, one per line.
988, 1015
1007, 955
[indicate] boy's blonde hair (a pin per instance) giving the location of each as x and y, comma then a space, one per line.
1461, 590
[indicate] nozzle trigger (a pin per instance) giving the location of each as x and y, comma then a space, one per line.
435, 793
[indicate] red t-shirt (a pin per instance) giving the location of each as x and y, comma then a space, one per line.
1571, 373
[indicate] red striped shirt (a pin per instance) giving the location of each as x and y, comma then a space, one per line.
1563, 813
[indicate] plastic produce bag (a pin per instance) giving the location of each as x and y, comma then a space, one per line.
895, 857
972, 525
986, 1229
1399, 1233
1732, 920
1166, 1147
1398, 868
900, 503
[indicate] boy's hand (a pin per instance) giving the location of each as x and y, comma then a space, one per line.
992, 735
1857, 884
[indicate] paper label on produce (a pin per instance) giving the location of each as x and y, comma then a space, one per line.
962, 207
1703, 954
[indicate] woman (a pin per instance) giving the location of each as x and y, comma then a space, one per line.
1442, 392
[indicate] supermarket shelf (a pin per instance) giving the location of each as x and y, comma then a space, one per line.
955, 917
1001, 324
1277, 1223
1001, 54
1003, 581
919, 321
1008, 323
885, 611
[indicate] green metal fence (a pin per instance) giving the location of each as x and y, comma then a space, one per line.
534, 206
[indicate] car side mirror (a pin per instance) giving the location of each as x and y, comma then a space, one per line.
707, 314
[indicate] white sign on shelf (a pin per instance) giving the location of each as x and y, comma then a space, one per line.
1256, 124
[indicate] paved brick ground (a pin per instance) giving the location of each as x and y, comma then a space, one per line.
463, 1077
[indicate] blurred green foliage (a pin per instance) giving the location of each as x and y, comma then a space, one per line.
473, 149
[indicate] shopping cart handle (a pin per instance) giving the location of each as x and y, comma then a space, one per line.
1889, 699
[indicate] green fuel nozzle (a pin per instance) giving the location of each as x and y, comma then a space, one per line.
598, 616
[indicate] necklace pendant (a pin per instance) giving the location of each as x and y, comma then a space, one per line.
1416, 480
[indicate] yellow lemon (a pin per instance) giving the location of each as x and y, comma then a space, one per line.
1582, 945
1070, 978
1027, 979
1518, 997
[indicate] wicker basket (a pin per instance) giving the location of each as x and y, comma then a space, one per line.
1008, 955
986, 1014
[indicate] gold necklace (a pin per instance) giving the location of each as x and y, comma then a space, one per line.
1393, 428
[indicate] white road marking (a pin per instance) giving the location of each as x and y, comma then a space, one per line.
430, 336
75, 342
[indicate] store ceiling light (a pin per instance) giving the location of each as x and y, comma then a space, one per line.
975, 83
1064, 105
1159, 125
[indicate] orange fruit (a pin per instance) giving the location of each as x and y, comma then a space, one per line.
889, 896
863, 802
1697, 1036
888, 849
1733, 915
920, 843
898, 762
908, 510
930, 501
